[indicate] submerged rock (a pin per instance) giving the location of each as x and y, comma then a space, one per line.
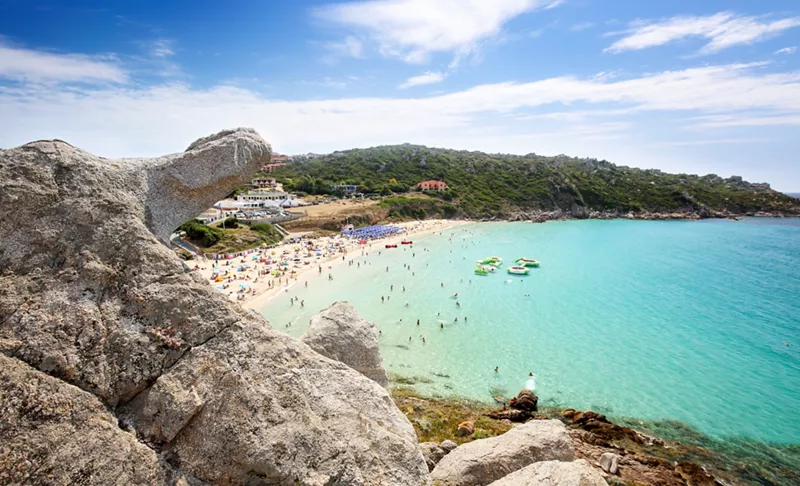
341, 334
554, 473
90, 297
482, 461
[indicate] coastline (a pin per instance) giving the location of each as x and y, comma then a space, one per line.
264, 288
578, 213
651, 451
709, 452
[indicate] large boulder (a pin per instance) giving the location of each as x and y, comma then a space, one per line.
482, 461
341, 334
91, 297
554, 473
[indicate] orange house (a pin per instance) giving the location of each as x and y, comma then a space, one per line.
432, 186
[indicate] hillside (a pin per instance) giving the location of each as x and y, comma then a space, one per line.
503, 186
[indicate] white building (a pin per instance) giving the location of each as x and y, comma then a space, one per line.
264, 199
264, 182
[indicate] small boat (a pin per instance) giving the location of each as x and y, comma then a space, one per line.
527, 262
406, 242
518, 270
391, 246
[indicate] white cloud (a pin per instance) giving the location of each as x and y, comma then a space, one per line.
582, 26
350, 46
413, 29
161, 48
722, 30
427, 78
718, 141
166, 118
786, 50
21, 64
728, 121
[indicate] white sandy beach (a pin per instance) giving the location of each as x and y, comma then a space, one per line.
253, 282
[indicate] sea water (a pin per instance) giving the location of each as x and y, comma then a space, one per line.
676, 320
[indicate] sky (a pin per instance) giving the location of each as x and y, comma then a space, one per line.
678, 85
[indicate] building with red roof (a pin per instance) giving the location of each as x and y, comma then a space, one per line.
432, 186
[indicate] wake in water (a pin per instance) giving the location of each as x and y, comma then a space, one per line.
530, 384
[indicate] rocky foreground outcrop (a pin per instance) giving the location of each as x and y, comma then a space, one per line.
119, 366
339, 333
575, 473
484, 461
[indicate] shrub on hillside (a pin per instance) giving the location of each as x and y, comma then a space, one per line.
197, 231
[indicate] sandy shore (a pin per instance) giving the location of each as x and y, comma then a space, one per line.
255, 284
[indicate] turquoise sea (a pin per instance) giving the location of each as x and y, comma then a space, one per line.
676, 320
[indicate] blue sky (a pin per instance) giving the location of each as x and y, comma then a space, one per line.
684, 86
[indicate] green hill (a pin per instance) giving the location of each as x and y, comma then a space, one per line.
497, 185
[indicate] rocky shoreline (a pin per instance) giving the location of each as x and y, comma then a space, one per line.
691, 214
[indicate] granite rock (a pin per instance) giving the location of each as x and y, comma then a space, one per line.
102, 315
341, 334
55, 433
482, 461
433, 453
554, 473
609, 462
448, 446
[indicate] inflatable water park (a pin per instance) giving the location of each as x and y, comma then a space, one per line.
489, 265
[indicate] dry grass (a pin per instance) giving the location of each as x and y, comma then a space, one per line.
340, 208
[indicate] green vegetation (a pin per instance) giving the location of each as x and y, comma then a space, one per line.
436, 420
496, 185
201, 234
270, 234
233, 238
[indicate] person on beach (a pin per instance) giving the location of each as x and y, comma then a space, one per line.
497, 369
382, 299
418, 322
441, 325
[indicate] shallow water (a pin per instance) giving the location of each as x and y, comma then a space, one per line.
658, 320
